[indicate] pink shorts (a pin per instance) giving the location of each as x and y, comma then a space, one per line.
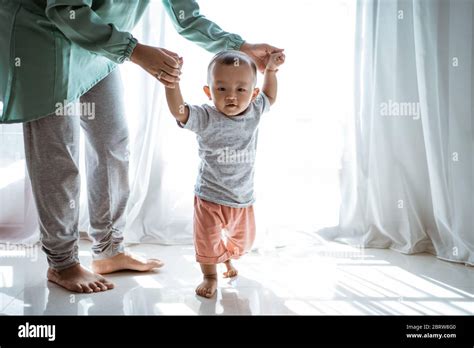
211, 220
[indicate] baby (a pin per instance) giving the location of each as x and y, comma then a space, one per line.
227, 139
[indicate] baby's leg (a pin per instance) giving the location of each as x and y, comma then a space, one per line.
208, 286
240, 235
231, 270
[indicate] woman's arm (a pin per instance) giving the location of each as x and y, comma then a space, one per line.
192, 25
84, 27
80, 24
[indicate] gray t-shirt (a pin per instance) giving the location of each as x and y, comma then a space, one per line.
227, 147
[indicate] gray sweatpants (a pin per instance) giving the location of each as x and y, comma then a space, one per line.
52, 157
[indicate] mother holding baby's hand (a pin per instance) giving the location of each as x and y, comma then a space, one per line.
54, 52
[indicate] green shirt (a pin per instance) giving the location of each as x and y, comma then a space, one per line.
54, 51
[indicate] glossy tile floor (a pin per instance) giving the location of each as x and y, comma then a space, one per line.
310, 276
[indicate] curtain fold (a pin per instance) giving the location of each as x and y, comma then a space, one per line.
407, 178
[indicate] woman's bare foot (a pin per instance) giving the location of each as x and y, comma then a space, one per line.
79, 279
208, 286
125, 261
231, 270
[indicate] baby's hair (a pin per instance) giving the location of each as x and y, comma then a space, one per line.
231, 57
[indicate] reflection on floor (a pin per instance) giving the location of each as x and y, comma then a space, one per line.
310, 276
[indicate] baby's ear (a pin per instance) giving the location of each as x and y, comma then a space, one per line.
207, 90
256, 91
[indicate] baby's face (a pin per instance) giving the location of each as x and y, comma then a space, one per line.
231, 88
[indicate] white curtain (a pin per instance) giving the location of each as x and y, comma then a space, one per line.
407, 178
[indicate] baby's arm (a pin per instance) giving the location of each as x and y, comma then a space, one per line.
270, 85
176, 104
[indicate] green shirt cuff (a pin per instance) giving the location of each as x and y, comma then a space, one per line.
235, 43
128, 50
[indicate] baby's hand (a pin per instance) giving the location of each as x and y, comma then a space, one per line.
276, 59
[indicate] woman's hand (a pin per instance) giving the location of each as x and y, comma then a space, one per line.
260, 53
162, 64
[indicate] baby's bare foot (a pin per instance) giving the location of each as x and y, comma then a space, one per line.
231, 270
125, 261
79, 279
208, 286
